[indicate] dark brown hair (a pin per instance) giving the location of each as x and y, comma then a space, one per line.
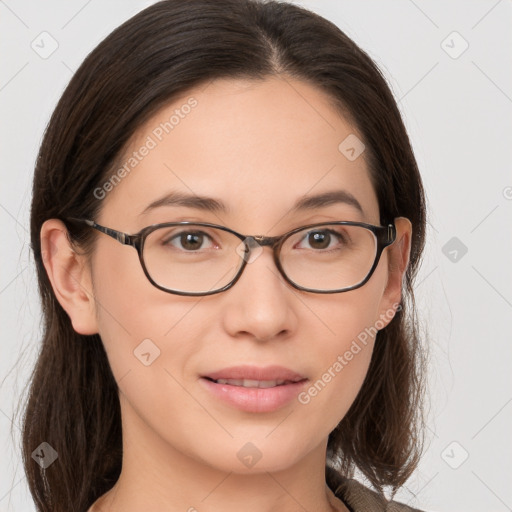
139, 68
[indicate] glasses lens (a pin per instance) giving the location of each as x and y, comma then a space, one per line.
329, 257
192, 258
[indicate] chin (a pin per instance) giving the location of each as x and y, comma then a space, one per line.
248, 456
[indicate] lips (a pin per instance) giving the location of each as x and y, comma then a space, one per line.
249, 383
252, 389
252, 376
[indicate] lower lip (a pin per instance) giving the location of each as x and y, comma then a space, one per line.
255, 399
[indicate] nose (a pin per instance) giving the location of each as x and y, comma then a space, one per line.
261, 303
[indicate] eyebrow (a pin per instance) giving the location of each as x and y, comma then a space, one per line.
210, 204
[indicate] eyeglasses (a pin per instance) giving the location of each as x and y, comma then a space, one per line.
198, 258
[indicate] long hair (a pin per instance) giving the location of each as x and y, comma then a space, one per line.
145, 63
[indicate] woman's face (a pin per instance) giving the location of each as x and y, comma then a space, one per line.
257, 147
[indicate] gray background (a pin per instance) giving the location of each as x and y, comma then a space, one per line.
457, 109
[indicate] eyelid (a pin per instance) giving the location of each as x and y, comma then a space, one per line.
216, 222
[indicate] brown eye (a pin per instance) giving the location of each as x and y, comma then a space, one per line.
190, 241
323, 239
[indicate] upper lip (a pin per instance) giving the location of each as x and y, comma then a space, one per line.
256, 373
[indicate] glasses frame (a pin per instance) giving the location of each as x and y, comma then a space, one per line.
385, 236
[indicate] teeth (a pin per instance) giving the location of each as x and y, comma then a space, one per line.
248, 383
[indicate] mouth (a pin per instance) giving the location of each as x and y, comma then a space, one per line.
253, 389
250, 383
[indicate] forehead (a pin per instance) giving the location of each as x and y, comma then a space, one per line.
257, 146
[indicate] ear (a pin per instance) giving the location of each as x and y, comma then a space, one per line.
69, 275
398, 261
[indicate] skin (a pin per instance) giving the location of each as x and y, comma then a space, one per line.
257, 146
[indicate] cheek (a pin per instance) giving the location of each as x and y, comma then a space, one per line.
344, 351
338, 384
150, 338
138, 323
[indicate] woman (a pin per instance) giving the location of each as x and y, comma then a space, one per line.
251, 350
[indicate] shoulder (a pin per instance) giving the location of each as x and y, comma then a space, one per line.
360, 498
